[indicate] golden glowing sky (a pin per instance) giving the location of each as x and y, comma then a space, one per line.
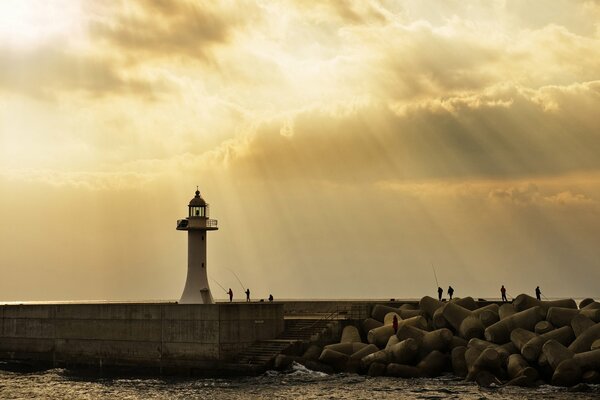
344, 146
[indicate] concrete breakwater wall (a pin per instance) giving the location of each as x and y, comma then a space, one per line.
136, 335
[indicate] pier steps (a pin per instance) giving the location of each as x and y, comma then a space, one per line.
298, 332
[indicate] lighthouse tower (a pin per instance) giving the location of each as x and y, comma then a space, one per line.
197, 225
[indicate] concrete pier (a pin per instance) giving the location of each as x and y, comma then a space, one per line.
158, 336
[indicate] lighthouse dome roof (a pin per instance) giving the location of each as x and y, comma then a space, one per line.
197, 201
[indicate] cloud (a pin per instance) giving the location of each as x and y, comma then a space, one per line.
179, 29
50, 70
504, 132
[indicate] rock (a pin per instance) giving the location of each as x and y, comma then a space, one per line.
391, 341
312, 353
457, 341
521, 336
369, 324
560, 316
459, 365
595, 345
405, 351
439, 339
506, 310
283, 361
592, 306
589, 360
376, 369
523, 302
585, 302
380, 336
518, 366
418, 322
500, 331
381, 357
487, 379
438, 319
433, 364
350, 334
591, 377
543, 327
463, 321
488, 360
379, 311
428, 305
407, 331
466, 302
584, 341
346, 348
556, 353
488, 317
532, 349
405, 314
580, 323
402, 371
334, 358
365, 351
567, 373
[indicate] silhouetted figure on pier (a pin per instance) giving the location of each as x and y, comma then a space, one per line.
248, 294
450, 292
503, 291
440, 293
230, 293
538, 293
395, 324
270, 297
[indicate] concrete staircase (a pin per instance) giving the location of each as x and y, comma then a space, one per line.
298, 331
305, 329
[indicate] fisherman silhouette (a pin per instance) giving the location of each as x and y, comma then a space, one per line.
248, 294
440, 293
230, 293
395, 324
450, 292
538, 293
270, 297
503, 291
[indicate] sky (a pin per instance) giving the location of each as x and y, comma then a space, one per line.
347, 148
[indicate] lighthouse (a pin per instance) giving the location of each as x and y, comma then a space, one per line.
197, 225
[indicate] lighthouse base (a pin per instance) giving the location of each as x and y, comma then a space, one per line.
201, 296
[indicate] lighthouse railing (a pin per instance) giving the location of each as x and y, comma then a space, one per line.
212, 223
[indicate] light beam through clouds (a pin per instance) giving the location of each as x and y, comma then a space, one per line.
343, 146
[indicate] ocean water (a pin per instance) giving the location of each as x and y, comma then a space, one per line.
299, 383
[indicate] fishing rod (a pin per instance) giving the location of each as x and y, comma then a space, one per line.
238, 278
215, 281
435, 275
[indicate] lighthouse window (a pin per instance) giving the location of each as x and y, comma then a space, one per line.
197, 212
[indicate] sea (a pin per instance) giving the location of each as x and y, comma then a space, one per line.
297, 383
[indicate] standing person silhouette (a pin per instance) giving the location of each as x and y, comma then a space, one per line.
248, 294
503, 291
395, 324
230, 293
450, 292
538, 293
440, 293
270, 297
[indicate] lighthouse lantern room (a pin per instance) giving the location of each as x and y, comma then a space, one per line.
197, 224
